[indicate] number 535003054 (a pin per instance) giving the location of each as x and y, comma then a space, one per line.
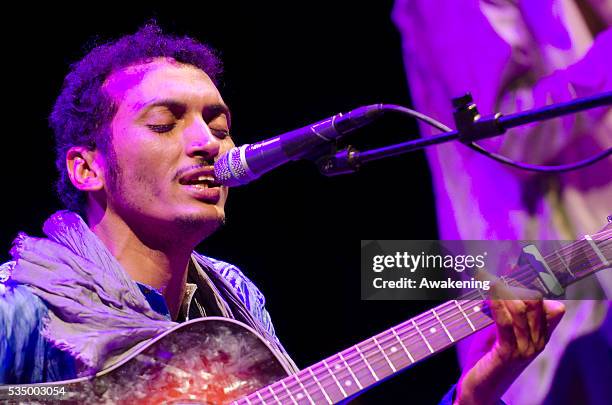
36, 391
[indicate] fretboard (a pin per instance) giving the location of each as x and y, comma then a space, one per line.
361, 366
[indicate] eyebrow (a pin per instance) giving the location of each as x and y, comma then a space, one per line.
211, 110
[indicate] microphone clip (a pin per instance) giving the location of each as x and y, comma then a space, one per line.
337, 163
470, 125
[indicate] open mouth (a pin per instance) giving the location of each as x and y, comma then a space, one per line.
201, 184
201, 181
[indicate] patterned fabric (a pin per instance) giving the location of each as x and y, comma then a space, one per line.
96, 311
58, 295
244, 288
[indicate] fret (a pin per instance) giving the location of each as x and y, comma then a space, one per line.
580, 262
464, 315
327, 382
366, 363
538, 285
564, 262
403, 346
507, 282
414, 342
319, 385
351, 371
433, 311
422, 336
478, 316
347, 380
361, 370
300, 395
597, 251
454, 320
385, 356
247, 400
376, 359
397, 356
335, 379
432, 331
288, 391
482, 296
313, 387
263, 401
274, 395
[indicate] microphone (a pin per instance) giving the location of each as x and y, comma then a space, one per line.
246, 163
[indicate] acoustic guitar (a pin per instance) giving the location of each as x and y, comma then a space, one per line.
219, 361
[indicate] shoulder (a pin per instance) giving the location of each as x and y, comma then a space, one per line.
17, 300
22, 318
251, 297
246, 290
21, 311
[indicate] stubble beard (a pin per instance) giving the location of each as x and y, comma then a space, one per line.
187, 224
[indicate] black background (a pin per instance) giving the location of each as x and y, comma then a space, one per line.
294, 232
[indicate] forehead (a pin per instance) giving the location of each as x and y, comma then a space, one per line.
162, 78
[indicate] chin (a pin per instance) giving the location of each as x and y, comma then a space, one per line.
204, 223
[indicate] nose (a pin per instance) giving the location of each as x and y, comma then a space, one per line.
200, 141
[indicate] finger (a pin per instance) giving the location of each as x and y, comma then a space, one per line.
554, 311
503, 322
520, 325
535, 318
537, 323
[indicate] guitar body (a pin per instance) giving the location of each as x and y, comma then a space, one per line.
204, 361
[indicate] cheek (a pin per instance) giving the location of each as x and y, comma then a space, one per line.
226, 145
146, 167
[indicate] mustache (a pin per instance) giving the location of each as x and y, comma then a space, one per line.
180, 172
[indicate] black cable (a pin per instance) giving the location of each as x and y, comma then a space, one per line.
497, 157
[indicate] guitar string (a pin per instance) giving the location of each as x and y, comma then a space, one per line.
556, 259
553, 261
427, 320
324, 377
367, 346
326, 374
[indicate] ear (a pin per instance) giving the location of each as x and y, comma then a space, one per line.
84, 168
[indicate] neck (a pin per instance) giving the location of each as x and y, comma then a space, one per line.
162, 266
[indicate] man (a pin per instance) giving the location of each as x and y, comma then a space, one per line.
513, 56
139, 124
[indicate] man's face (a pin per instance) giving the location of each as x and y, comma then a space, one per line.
170, 126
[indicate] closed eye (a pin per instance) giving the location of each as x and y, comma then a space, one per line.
160, 129
220, 133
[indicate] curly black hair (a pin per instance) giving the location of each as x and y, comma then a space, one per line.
83, 111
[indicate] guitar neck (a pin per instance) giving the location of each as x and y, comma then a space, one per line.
367, 363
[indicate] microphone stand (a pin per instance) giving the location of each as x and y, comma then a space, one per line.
470, 127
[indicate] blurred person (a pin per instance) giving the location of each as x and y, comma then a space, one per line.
514, 55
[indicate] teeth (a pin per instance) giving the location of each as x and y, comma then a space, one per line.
204, 180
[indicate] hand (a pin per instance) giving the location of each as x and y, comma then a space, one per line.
523, 324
